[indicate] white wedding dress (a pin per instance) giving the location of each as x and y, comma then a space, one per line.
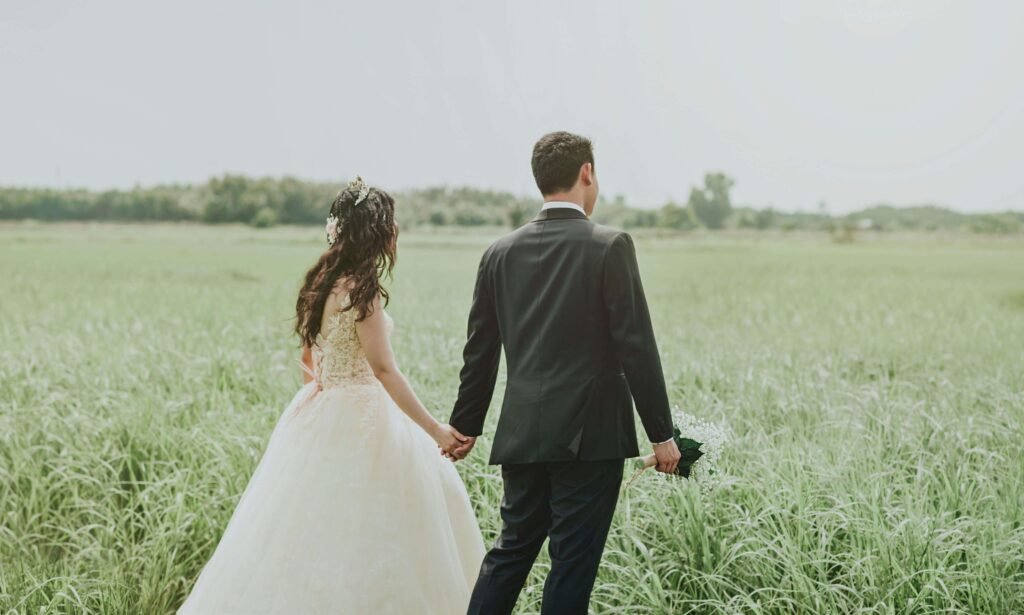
351, 510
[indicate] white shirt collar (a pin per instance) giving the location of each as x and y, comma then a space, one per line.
562, 205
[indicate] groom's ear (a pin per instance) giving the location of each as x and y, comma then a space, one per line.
587, 173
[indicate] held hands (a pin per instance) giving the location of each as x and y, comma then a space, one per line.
667, 456
447, 437
461, 451
453, 444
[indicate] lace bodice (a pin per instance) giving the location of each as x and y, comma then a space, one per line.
338, 357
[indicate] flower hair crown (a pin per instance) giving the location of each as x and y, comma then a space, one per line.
332, 226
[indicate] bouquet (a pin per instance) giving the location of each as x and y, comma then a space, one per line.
700, 443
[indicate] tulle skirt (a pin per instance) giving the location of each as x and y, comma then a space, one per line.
351, 510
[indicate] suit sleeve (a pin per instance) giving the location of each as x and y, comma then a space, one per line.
480, 358
633, 338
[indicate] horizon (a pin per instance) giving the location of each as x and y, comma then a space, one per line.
848, 103
607, 199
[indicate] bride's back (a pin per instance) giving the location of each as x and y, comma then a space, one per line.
338, 358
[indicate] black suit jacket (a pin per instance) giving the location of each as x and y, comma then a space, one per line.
564, 298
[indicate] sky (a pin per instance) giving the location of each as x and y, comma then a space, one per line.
803, 103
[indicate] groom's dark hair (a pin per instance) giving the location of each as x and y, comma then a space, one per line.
557, 158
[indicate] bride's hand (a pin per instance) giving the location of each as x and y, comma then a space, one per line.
447, 437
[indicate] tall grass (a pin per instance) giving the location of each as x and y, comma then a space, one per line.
876, 393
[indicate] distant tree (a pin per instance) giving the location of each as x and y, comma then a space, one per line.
845, 233
675, 217
297, 202
234, 198
518, 214
711, 204
642, 219
995, 224
467, 215
764, 219
289, 200
264, 218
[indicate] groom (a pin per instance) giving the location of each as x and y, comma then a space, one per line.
564, 298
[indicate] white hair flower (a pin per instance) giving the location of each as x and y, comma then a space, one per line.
332, 229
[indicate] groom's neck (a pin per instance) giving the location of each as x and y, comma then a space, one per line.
573, 196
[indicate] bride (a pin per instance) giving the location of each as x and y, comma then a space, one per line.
352, 509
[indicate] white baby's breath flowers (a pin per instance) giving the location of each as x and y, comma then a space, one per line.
714, 438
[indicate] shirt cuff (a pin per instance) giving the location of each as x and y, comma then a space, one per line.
665, 442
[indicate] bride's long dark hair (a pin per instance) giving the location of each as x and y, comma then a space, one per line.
364, 251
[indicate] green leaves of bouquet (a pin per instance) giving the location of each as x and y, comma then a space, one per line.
689, 449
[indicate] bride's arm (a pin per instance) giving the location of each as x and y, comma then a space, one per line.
373, 337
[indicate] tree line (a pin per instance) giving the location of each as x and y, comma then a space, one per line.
268, 201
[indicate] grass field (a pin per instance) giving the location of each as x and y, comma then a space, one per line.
876, 393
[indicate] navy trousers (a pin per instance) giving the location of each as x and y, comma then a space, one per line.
571, 503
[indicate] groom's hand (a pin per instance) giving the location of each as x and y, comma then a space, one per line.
668, 456
459, 452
